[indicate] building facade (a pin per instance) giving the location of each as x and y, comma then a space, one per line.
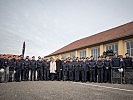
119, 39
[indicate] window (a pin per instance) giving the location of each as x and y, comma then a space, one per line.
64, 56
72, 54
113, 47
129, 47
82, 53
95, 52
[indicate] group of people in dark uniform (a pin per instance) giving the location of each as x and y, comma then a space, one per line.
69, 69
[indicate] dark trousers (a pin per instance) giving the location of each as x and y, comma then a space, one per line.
107, 75
39, 74
18, 75
100, 75
26, 74
84, 75
65, 75
32, 73
92, 75
59, 75
77, 75
52, 76
48, 74
71, 76
45, 74
22, 75
11, 75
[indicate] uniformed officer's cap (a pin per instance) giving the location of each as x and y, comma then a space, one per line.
9, 56
126, 53
99, 56
33, 56
39, 57
27, 56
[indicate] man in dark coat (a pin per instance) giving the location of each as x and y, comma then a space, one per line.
65, 70
12, 65
71, 70
128, 67
77, 70
33, 66
39, 69
92, 67
6, 67
84, 71
18, 69
59, 69
100, 65
107, 70
27, 66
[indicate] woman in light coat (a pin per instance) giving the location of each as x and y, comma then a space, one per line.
52, 69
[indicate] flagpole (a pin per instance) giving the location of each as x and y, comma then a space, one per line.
23, 49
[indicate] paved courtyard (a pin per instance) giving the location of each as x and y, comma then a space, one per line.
55, 90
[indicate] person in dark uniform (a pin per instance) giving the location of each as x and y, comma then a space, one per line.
48, 69
127, 61
6, 67
22, 61
107, 70
18, 70
59, 69
65, 70
2, 70
116, 61
27, 65
84, 70
12, 65
71, 70
128, 67
100, 65
44, 69
92, 66
33, 66
116, 64
76, 69
39, 69
88, 69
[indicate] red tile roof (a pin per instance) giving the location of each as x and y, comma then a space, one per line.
115, 33
9, 55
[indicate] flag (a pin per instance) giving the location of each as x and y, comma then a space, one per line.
23, 49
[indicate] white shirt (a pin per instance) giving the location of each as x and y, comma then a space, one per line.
52, 67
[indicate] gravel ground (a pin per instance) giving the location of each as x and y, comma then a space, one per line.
55, 90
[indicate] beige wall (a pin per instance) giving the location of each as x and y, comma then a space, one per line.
121, 49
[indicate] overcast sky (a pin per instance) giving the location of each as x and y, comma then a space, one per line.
47, 25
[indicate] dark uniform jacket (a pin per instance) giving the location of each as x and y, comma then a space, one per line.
84, 66
77, 66
18, 65
33, 64
65, 66
127, 62
70, 66
27, 64
39, 64
58, 65
107, 63
92, 64
100, 64
5, 62
13, 64
116, 62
